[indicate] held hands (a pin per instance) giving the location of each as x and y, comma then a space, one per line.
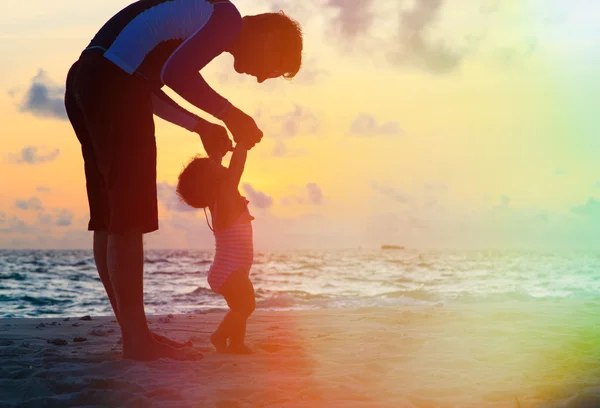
242, 127
215, 139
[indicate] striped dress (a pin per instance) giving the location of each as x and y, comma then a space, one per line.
234, 251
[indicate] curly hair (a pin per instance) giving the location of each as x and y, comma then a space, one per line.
195, 185
289, 35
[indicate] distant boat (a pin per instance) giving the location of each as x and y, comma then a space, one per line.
392, 247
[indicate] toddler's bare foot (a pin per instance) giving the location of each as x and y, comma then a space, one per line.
240, 349
219, 342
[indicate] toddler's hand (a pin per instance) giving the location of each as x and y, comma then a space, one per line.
242, 127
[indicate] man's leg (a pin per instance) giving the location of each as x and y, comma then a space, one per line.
125, 261
95, 186
100, 257
103, 109
100, 254
125, 264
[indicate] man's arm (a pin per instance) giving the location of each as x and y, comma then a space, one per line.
181, 71
214, 137
166, 108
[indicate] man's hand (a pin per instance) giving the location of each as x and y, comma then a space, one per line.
215, 138
242, 127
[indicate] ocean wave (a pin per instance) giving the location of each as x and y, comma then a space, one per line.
44, 301
413, 294
176, 280
14, 276
157, 260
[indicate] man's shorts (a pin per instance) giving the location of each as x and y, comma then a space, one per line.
111, 113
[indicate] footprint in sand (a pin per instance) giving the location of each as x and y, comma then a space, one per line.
271, 348
57, 342
228, 404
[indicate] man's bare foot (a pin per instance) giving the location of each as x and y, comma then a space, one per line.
240, 349
220, 343
169, 342
154, 350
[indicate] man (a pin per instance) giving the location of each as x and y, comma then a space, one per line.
112, 92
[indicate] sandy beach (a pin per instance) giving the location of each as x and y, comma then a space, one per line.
370, 357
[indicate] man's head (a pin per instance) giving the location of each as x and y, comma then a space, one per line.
269, 46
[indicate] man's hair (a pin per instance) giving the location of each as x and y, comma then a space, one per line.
194, 185
289, 35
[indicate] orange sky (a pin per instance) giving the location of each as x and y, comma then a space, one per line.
480, 134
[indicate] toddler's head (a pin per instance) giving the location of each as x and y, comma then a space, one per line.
199, 181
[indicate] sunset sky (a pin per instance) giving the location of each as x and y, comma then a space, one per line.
425, 123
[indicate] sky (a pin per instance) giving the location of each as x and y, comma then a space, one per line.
423, 123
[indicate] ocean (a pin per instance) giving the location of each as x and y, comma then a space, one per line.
65, 283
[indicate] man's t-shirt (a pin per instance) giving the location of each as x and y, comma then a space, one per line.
168, 42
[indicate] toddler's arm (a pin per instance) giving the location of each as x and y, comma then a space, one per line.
236, 166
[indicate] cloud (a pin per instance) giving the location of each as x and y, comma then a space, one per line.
257, 198
560, 172
311, 194
168, 197
45, 218
60, 218
291, 200
43, 189
411, 46
436, 187
64, 218
14, 225
33, 204
591, 209
301, 11
391, 192
353, 19
44, 98
30, 155
315, 195
308, 75
427, 35
300, 120
281, 149
184, 229
365, 125
431, 194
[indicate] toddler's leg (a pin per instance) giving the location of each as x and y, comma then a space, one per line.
239, 294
